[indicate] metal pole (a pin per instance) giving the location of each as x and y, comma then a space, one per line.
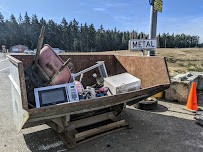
153, 26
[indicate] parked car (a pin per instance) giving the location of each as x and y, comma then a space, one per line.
29, 51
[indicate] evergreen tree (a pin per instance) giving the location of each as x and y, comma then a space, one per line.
26, 31
14, 31
72, 37
65, 32
84, 37
35, 31
52, 32
92, 38
3, 40
100, 39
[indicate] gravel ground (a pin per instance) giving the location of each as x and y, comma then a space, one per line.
169, 128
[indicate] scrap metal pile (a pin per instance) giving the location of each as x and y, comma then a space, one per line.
49, 80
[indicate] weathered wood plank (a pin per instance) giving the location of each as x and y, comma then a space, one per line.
90, 120
101, 129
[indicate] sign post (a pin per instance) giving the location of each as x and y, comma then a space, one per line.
156, 5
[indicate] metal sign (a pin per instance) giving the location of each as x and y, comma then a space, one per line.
142, 44
158, 5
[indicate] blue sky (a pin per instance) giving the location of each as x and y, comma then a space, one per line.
178, 16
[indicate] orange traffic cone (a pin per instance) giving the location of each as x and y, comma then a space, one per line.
192, 99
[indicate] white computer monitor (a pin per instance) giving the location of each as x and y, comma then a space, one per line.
51, 95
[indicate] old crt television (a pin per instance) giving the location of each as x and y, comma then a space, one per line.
52, 95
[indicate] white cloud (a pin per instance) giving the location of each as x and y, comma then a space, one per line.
4, 9
99, 9
109, 4
117, 4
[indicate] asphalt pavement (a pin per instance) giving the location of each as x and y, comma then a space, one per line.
167, 129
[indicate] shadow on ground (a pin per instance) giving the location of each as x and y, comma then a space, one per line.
43, 140
149, 132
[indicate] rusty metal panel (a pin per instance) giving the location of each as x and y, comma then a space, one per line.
83, 61
151, 70
24, 58
19, 113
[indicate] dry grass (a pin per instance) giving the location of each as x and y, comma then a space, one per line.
183, 60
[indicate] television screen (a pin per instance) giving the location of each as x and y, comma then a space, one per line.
50, 95
53, 96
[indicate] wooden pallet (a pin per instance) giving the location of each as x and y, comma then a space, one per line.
75, 137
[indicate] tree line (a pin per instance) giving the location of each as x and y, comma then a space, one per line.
74, 36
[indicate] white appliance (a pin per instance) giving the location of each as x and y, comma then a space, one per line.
51, 95
72, 92
122, 83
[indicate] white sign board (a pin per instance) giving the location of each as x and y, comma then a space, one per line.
142, 44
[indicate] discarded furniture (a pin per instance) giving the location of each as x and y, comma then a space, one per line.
46, 68
49, 69
51, 64
71, 120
